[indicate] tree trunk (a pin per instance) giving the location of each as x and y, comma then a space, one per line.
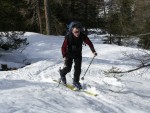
47, 16
39, 15
110, 39
72, 9
86, 15
119, 41
104, 8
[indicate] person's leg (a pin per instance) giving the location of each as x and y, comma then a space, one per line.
77, 69
66, 69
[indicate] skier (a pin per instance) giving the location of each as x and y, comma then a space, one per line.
72, 51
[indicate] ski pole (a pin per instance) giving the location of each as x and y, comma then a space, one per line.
59, 80
87, 68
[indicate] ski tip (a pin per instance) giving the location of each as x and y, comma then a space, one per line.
90, 93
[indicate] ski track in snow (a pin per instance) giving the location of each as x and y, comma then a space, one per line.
31, 89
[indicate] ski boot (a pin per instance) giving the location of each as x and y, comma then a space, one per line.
77, 85
62, 78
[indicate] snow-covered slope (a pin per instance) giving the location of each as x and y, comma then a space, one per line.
31, 89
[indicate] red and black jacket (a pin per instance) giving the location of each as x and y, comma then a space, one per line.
73, 46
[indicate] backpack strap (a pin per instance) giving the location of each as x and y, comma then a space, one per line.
69, 38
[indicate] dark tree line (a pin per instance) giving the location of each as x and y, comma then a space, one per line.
35, 15
121, 18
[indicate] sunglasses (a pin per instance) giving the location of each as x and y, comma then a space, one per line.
76, 32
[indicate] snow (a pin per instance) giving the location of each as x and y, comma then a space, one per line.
31, 89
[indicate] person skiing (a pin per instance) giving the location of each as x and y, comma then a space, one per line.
72, 51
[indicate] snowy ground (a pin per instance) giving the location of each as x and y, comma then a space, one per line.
31, 89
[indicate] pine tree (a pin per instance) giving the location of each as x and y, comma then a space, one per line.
119, 18
10, 15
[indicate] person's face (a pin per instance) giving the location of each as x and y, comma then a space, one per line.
76, 32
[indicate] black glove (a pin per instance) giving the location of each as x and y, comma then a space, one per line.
95, 54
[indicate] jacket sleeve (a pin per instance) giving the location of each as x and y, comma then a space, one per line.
89, 43
64, 48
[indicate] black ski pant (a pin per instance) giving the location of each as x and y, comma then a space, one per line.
77, 67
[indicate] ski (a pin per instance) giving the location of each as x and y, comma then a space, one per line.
71, 87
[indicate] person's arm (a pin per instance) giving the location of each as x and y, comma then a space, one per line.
88, 42
64, 48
